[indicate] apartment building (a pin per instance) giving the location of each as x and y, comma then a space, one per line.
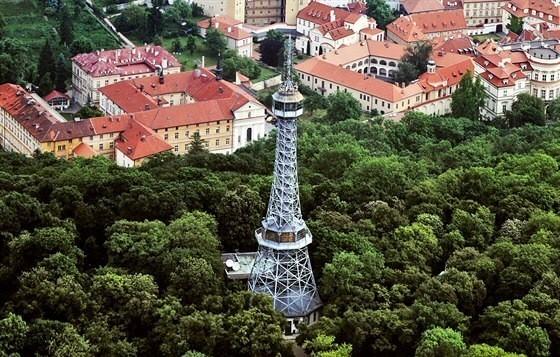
195, 87
23, 120
537, 14
430, 94
234, 9
237, 38
425, 26
91, 71
484, 16
323, 28
503, 79
225, 117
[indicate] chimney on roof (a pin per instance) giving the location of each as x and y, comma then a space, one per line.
332, 16
143, 138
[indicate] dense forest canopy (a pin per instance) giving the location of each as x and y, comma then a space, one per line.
434, 236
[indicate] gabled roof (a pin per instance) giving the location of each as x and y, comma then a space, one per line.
128, 97
415, 6
319, 13
229, 27
414, 27
357, 81
460, 45
201, 85
30, 114
125, 61
138, 141
524, 8
447, 76
55, 95
84, 150
363, 49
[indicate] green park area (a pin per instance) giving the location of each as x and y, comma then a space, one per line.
30, 23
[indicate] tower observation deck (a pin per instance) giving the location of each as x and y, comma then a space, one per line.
282, 268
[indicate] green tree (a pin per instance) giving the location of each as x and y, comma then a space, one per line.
216, 42
13, 331
515, 24
89, 112
15, 65
484, 350
441, 342
526, 109
553, 110
62, 73
342, 106
2, 27
66, 27
177, 47
46, 84
324, 346
238, 213
406, 73
314, 102
418, 55
133, 18
272, 48
191, 44
197, 145
46, 63
381, 12
81, 45
469, 97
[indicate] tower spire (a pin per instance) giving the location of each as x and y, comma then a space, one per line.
282, 268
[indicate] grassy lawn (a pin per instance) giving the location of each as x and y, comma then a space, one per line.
482, 38
26, 23
266, 73
188, 60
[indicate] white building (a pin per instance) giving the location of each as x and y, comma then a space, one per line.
322, 28
94, 70
237, 38
503, 81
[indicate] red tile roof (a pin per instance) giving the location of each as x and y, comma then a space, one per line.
200, 84
414, 27
524, 8
137, 141
129, 97
55, 95
358, 7
415, 6
84, 150
357, 81
26, 110
461, 45
226, 25
125, 61
503, 69
319, 13
446, 76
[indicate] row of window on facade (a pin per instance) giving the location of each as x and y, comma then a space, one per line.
372, 61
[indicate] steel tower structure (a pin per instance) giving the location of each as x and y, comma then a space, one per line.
282, 267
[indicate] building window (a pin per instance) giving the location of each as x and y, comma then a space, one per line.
187, 134
227, 141
207, 131
176, 135
165, 136
176, 148
101, 146
217, 130
111, 144
543, 93
249, 134
217, 142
